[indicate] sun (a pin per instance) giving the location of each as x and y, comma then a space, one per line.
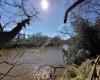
45, 4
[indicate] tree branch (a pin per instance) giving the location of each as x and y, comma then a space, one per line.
71, 8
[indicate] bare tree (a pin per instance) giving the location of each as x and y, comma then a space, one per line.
21, 13
18, 14
71, 8
87, 6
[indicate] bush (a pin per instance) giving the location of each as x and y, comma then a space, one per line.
81, 56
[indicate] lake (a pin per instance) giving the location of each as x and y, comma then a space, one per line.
29, 60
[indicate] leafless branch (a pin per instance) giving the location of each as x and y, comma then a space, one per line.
95, 10
12, 75
12, 65
71, 8
20, 7
7, 72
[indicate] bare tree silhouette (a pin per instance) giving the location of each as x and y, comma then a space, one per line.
71, 8
7, 36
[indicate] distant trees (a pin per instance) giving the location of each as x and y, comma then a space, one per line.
35, 40
56, 41
39, 39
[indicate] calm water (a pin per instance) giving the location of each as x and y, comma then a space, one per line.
30, 60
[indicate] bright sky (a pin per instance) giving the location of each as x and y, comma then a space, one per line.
50, 18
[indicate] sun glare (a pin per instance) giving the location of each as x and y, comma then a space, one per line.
45, 4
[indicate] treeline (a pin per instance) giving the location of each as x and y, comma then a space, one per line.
35, 40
